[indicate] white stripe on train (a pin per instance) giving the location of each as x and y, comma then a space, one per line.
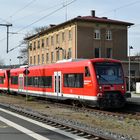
55, 94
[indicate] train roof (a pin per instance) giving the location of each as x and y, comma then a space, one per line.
3, 70
68, 63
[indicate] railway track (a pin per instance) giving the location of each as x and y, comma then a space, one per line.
74, 126
55, 123
130, 111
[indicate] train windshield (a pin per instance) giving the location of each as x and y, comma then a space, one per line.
109, 73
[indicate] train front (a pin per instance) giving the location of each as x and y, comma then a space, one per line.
111, 84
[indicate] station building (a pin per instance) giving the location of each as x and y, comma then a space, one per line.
81, 37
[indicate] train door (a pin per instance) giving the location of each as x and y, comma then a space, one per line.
57, 83
21, 82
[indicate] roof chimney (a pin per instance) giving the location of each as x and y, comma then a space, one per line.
93, 13
104, 17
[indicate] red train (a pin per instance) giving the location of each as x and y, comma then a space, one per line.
94, 81
4, 80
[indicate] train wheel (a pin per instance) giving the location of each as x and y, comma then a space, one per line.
75, 103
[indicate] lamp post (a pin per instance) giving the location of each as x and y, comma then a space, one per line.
129, 68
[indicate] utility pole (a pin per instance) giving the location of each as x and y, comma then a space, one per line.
7, 26
129, 69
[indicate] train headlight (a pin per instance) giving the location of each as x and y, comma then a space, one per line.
99, 95
100, 88
122, 87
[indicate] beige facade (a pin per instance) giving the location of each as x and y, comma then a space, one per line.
81, 37
53, 46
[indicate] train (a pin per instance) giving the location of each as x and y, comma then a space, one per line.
99, 81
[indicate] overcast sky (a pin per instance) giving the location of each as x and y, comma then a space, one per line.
29, 14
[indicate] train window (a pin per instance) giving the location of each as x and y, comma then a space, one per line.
47, 81
36, 84
30, 81
73, 80
14, 80
40, 81
1, 80
87, 72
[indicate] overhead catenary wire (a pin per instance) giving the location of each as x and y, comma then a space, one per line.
16, 12
41, 11
21, 9
38, 20
43, 17
7, 22
121, 7
16, 47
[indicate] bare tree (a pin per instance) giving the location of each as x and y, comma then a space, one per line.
41, 29
24, 51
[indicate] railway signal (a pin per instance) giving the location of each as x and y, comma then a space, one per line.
26, 71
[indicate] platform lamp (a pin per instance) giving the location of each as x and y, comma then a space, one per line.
129, 69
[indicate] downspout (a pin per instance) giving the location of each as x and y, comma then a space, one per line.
75, 41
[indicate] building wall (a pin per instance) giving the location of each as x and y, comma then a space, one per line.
134, 73
59, 42
134, 68
77, 40
86, 43
120, 43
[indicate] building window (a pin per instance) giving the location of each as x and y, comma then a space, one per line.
52, 56
38, 59
63, 36
109, 53
30, 46
38, 44
30, 60
47, 41
132, 72
42, 44
34, 45
57, 38
42, 58
63, 54
108, 35
34, 60
97, 53
47, 57
70, 35
52, 40
69, 53
97, 34
57, 55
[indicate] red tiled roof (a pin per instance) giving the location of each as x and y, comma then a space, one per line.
103, 20
84, 19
